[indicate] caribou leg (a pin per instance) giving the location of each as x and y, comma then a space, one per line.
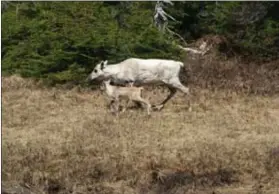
173, 86
171, 94
178, 85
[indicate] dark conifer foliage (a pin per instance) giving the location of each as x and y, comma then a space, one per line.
62, 41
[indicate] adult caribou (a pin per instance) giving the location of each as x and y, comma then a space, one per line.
143, 72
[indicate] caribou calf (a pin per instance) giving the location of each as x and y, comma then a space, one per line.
131, 93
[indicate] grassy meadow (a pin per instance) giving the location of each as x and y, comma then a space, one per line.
66, 141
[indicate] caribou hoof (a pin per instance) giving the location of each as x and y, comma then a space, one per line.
157, 107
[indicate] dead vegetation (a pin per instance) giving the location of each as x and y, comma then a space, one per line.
64, 141
220, 68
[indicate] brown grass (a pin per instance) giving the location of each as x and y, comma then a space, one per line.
66, 141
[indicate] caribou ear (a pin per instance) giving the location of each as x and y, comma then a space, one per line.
104, 64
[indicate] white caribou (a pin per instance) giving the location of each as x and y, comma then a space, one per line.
142, 72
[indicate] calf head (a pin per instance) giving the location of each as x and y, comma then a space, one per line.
104, 84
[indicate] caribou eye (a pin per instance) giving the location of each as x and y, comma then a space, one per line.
95, 71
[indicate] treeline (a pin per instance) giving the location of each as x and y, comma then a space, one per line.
62, 41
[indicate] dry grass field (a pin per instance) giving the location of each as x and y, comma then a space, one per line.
66, 141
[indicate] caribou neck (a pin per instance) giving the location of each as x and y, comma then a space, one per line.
111, 71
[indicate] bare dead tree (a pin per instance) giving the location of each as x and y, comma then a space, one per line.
160, 16
161, 22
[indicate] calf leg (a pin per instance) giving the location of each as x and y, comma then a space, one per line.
138, 104
127, 105
115, 106
111, 104
148, 105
